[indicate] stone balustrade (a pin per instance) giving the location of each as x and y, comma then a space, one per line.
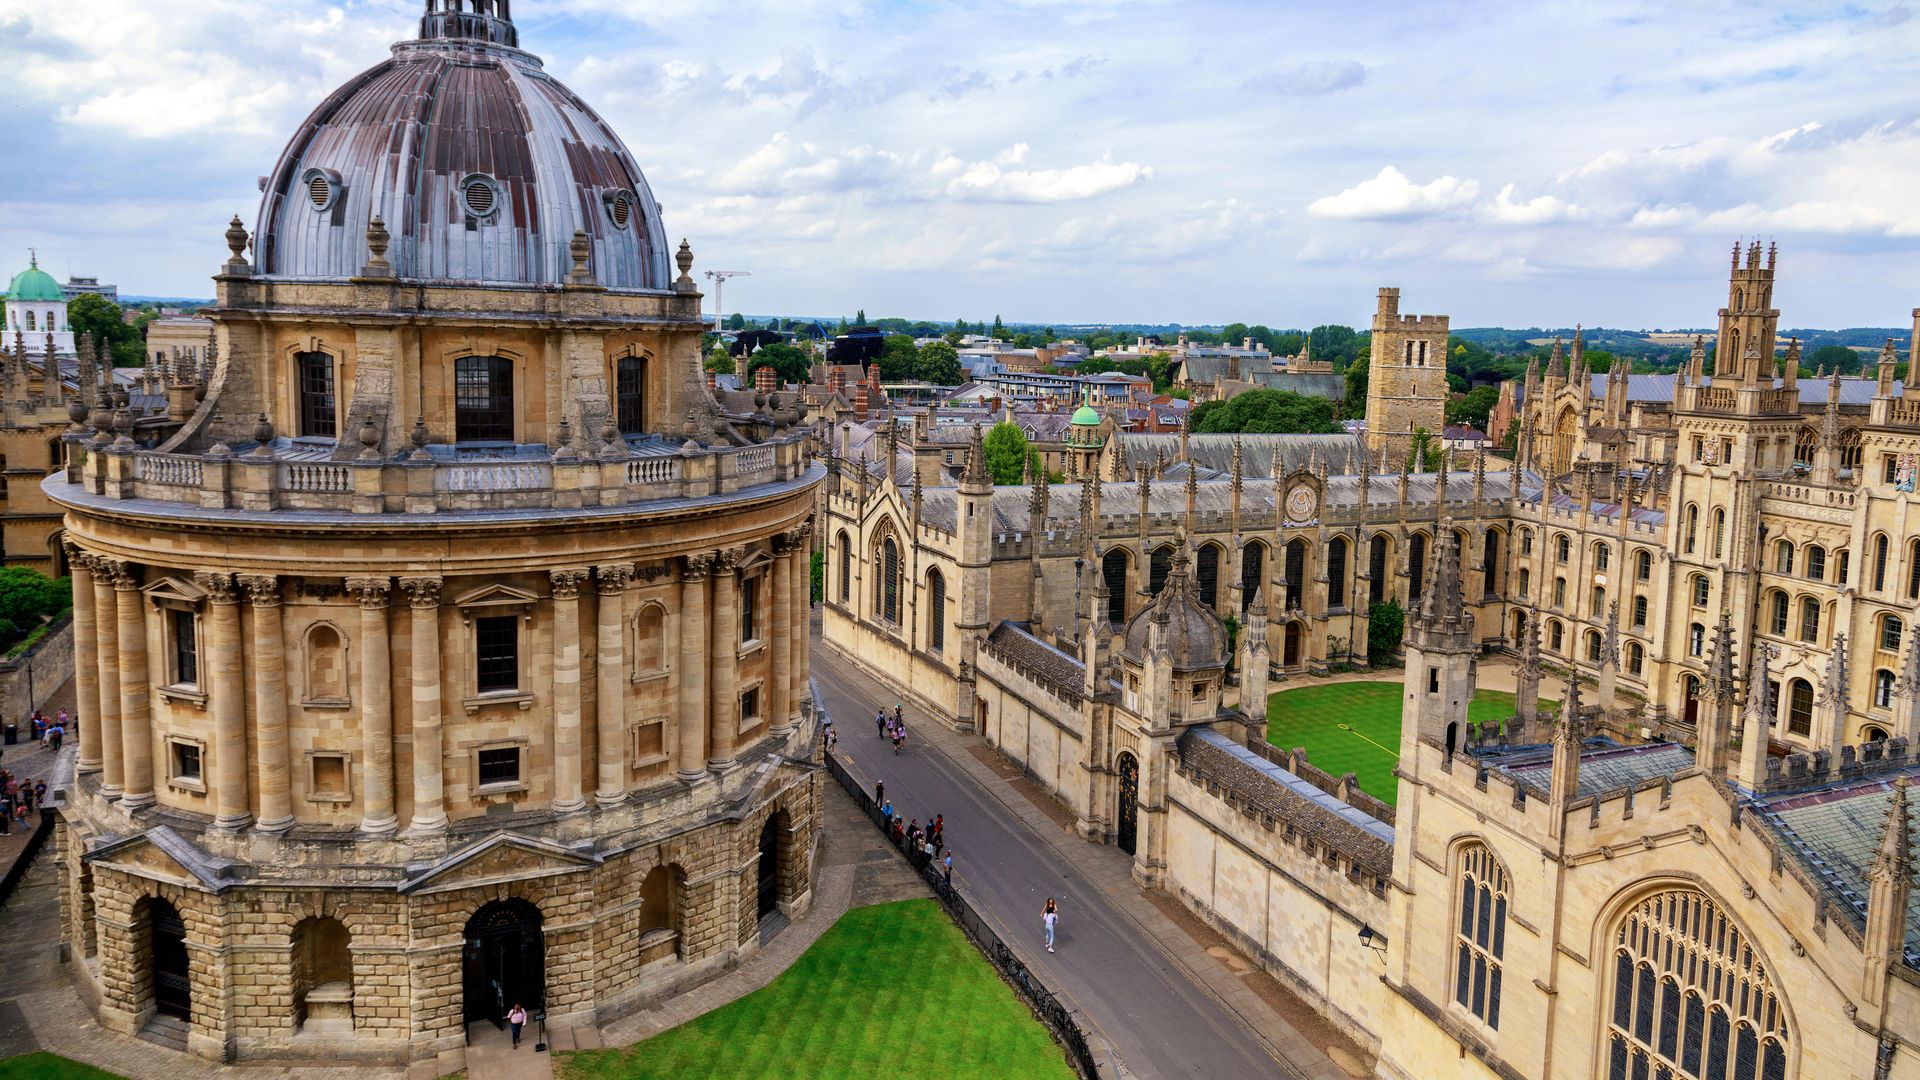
254, 481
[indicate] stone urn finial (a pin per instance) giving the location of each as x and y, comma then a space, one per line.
369, 441
378, 240
684, 259
237, 245
420, 437
563, 441
582, 251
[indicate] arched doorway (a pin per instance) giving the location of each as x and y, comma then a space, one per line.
505, 961
1127, 821
167, 952
1690, 690
1519, 626
1290, 653
1113, 569
769, 886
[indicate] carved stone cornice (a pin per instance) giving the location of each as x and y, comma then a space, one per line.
369, 592
220, 587
697, 566
422, 592
566, 583
614, 579
263, 590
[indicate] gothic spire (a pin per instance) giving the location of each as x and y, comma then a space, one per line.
975, 474
1833, 693
1557, 362
1889, 887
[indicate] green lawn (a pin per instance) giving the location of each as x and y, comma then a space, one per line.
45, 1066
1354, 728
893, 990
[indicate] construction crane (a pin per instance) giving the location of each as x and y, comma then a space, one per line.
719, 279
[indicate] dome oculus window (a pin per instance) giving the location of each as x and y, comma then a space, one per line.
480, 196
323, 188
620, 208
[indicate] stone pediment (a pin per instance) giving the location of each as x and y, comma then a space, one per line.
177, 589
498, 858
496, 595
161, 854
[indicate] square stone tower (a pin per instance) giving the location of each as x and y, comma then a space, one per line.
1406, 377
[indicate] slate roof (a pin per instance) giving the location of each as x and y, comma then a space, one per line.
1835, 831
1046, 663
1216, 451
1604, 764
1659, 388
1267, 787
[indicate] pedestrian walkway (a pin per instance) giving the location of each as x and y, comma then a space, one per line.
1162, 990
491, 1055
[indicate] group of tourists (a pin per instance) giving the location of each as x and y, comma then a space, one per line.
925, 845
19, 798
49, 732
891, 727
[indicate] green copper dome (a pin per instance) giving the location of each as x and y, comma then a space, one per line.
35, 286
1085, 415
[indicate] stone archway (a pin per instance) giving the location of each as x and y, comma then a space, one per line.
166, 956
769, 868
1291, 642
504, 961
1126, 822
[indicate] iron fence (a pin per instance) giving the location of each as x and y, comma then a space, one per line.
1058, 1018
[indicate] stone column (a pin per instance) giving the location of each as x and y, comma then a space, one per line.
376, 705
802, 616
568, 754
106, 636
86, 667
611, 657
270, 703
429, 754
232, 804
780, 634
692, 661
136, 714
723, 720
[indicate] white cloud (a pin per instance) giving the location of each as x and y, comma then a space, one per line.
1505, 209
989, 181
1390, 195
1314, 77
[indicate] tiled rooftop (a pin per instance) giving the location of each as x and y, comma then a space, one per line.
1835, 832
1605, 765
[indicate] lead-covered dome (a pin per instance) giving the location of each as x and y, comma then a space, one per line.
1195, 638
480, 164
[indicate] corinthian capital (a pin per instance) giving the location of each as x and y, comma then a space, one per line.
728, 560
566, 583
614, 579
124, 575
422, 592
697, 566
370, 592
220, 588
263, 590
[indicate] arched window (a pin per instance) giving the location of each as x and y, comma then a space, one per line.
1702, 590
1691, 997
1594, 645
1879, 562
1800, 707
1113, 572
1206, 574
1804, 446
650, 650
1640, 611
322, 969
314, 371
1337, 572
1783, 557
1883, 689
1560, 592
658, 916
1777, 616
1526, 582
846, 567
936, 611
483, 399
1379, 552
1696, 639
1816, 562
30, 322
1691, 530
1636, 658
1913, 570
1526, 541
1809, 619
630, 394
1562, 547
1556, 636
1719, 534
1296, 575
1416, 566
888, 595
1253, 565
326, 665
1480, 940
1643, 565
1602, 556
1890, 630
1493, 570
1159, 565
1842, 563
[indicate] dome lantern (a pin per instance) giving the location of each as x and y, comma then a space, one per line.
490, 21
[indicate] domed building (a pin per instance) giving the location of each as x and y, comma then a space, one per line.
453, 652
36, 311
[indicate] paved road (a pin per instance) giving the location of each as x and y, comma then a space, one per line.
1157, 1020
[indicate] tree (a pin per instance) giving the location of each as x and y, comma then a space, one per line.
898, 359
1007, 453
939, 364
1234, 333
789, 363
1023, 341
736, 321
105, 322
1266, 412
1427, 454
860, 317
1835, 358
29, 598
1474, 409
1385, 625
817, 574
1339, 344
719, 362
999, 329
1355, 403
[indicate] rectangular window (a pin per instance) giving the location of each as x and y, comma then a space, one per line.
750, 709
749, 591
483, 399
327, 777
186, 648
630, 394
1433, 680
500, 765
1199, 691
317, 418
496, 654
186, 761
649, 742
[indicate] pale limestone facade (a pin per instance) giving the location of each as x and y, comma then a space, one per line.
1406, 378
451, 653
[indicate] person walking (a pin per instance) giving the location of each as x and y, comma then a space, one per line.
946, 868
57, 735
1050, 915
880, 722
516, 1019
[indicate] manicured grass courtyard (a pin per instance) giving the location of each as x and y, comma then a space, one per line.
893, 990
1354, 727
45, 1066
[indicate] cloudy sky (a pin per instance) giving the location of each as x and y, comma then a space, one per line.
1078, 160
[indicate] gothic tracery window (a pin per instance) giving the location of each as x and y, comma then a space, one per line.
1479, 942
1691, 997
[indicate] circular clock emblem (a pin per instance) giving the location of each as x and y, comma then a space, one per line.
1301, 503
